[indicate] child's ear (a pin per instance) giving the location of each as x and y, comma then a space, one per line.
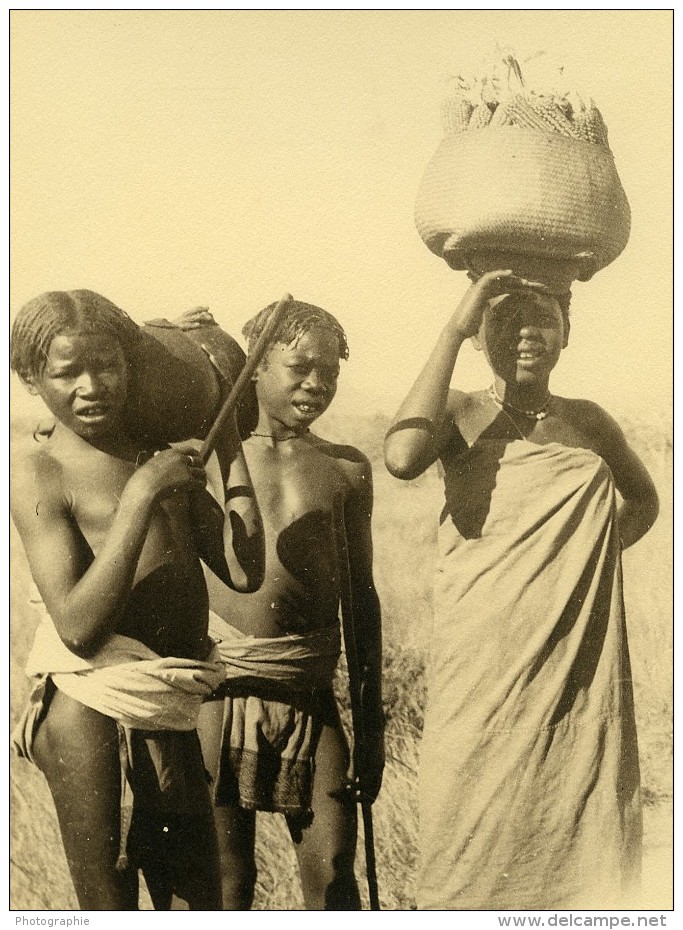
476, 342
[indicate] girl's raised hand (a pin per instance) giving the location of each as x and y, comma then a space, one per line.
468, 315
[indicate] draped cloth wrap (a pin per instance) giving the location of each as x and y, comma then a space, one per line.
529, 779
271, 721
127, 681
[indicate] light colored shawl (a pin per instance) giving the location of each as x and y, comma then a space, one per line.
529, 780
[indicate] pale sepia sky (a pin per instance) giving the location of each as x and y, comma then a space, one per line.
169, 159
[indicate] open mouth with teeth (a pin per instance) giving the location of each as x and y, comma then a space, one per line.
92, 412
525, 354
308, 408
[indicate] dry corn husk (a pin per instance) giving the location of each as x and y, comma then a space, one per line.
511, 103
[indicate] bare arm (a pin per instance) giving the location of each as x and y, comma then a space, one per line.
85, 593
240, 562
422, 426
640, 504
368, 626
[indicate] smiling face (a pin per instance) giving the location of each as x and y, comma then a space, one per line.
83, 383
296, 383
522, 336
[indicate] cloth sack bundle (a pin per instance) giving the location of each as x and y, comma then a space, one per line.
527, 182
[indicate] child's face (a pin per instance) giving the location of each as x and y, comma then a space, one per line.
522, 336
297, 382
83, 383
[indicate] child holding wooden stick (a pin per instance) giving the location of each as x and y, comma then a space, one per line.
122, 659
275, 742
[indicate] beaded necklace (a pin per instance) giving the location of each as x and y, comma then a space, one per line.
278, 438
540, 414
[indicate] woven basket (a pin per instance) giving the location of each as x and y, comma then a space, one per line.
507, 190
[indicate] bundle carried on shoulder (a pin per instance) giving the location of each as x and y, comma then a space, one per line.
523, 179
179, 378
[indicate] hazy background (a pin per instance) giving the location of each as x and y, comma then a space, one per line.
168, 159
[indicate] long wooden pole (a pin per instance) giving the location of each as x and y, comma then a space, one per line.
244, 377
356, 695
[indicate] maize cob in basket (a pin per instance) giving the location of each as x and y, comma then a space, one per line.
542, 112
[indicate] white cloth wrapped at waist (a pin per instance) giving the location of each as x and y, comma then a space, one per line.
126, 680
302, 661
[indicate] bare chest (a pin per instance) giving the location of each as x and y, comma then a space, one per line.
486, 421
95, 494
290, 487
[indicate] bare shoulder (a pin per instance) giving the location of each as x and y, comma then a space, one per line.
601, 430
351, 464
30, 456
35, 476
466, 417
580, 407
632, 479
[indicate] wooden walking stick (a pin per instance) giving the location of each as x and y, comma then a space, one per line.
244, 377
357, 699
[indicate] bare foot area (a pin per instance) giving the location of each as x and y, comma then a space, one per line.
39, 876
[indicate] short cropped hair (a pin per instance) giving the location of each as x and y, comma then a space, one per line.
297, 320
59, 312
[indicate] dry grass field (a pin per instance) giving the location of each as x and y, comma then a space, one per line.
404, 529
